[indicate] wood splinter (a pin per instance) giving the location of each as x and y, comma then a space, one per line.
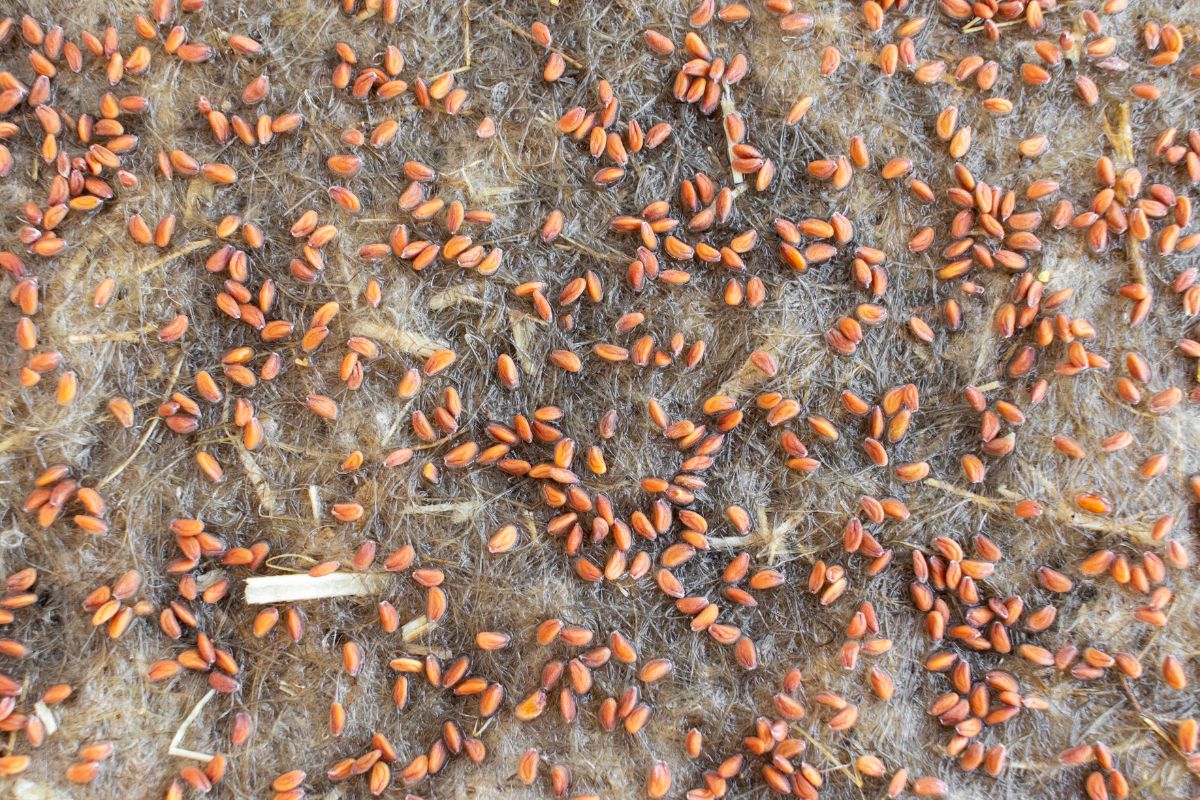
180, 752
266, 589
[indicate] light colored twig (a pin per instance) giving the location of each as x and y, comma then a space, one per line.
264, 589
410, 342
466, 65
167, 258
46, 716
727, 108
258, 479
522, 32
145, 436
952, 489
851, 773
115, 336
175, 749
416, 627
1134, 248
1120, 136
1149, 721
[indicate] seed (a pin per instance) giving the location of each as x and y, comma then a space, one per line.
659, 43
1093, 503
565, 360
83, 772
219, 173
491, 640
912, 472
322, 406
655, 670
439, 361
1173, 674
527, 767
658, 783
344, 164
174, 329
288, 780
928, 786
555, 65
1053, 580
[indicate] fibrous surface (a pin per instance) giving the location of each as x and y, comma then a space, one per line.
602, 399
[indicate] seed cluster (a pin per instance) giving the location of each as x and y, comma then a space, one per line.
293, 321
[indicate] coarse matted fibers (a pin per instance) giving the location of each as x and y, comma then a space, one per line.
834, 414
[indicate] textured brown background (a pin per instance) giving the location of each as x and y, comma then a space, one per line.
521, 174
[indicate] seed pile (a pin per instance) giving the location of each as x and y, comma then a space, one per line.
600, 400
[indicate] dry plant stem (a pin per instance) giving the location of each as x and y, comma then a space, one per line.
1121, 139
727, 108
47, 717
12, 736
174, 749
1136, 260
978, 499
412, 342
835, 763
416, 628
116, 336
1063, 514
517, 29
258, 479
1149, 721
265, 589
150, 428
1120, 136
466, 17
1057, 512
583, 248
167, 258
